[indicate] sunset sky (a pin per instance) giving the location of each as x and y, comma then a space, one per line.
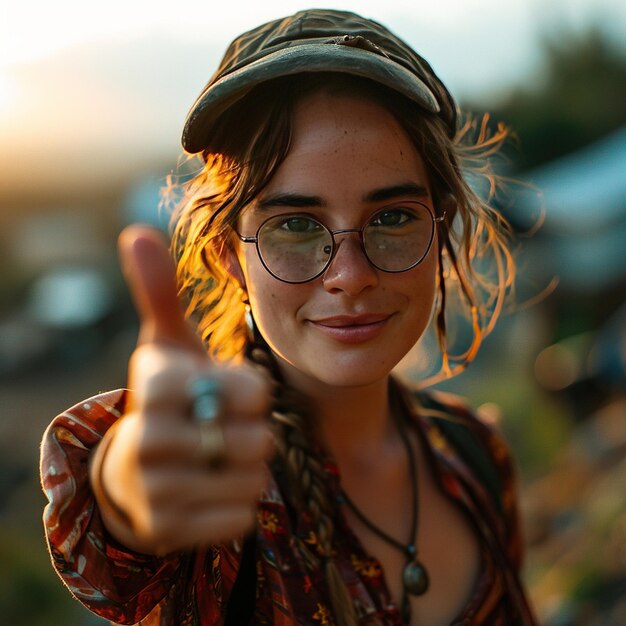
109, 82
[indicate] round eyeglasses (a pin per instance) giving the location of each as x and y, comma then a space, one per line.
296, 248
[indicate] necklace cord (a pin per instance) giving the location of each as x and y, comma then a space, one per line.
414, 508
413, 567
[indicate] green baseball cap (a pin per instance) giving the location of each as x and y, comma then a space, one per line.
316, 40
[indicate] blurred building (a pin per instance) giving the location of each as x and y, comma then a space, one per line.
583, 238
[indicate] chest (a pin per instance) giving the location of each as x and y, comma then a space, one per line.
447, 543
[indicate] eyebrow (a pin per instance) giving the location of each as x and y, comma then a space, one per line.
395, 191
376, 195
290, 200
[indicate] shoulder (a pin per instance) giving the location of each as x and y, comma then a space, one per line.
465, 434
446, 405
477, 432
478, 440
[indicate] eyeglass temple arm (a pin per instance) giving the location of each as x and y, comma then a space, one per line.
249, 239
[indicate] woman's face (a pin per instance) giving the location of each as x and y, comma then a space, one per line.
351, 325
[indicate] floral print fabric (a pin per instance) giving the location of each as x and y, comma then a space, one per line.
193, 588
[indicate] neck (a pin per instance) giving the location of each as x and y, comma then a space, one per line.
350, 422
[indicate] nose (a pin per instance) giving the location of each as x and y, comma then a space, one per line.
349, 270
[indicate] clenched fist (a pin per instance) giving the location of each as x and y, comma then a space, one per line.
153, 485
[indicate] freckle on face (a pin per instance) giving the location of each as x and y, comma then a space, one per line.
343, 148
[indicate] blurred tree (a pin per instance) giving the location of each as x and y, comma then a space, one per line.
579, 97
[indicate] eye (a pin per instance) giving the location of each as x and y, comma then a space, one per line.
299, 224
393, 217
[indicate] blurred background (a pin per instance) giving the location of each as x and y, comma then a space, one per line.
92, 99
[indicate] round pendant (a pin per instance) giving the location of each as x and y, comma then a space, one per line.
415, 578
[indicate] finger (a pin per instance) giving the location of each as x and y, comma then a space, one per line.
149, 271
172, 532
161, 377
246, 445
217, 525
245, 393
196, 489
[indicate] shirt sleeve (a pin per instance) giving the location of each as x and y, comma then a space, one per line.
109, 579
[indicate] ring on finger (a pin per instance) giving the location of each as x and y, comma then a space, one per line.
205, 395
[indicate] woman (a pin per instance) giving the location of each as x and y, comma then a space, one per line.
304, 485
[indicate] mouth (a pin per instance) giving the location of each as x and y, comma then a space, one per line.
352, 329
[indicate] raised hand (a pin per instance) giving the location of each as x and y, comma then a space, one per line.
154, 486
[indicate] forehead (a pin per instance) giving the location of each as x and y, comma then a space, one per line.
342, 144
333, 121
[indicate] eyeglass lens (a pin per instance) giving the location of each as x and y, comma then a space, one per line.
297, 248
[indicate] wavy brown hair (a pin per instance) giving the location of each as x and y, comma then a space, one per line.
475, 270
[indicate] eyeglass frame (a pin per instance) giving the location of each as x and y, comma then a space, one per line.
436, 219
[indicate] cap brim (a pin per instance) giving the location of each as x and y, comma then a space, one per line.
317, 57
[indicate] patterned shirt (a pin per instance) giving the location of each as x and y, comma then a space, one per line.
193, 589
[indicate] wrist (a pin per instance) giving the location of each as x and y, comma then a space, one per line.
115, 519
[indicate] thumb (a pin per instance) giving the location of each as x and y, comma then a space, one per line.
151, 277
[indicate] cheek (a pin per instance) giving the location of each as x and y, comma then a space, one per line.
274, 303
421, 294
429, 276
275, 313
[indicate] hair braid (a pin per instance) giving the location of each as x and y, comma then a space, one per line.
307, 480
476, 267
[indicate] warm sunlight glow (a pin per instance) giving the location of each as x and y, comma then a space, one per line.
82, 78
7, 91
34, 29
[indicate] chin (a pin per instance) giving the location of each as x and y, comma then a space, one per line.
339, 372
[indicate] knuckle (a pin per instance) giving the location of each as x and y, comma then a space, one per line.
156, 529
268, 443
157, 373
241, 520
158, 492
249, 488
150, 449
256, 485
248, 390
149, 360
250, 515
245, 443
265, 443
156, 447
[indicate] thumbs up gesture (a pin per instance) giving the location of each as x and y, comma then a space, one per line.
154, 485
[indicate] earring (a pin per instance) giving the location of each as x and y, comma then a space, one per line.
250, 323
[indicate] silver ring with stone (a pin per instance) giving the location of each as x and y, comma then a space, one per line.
205, 393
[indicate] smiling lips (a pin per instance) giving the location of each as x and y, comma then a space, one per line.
352, 329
